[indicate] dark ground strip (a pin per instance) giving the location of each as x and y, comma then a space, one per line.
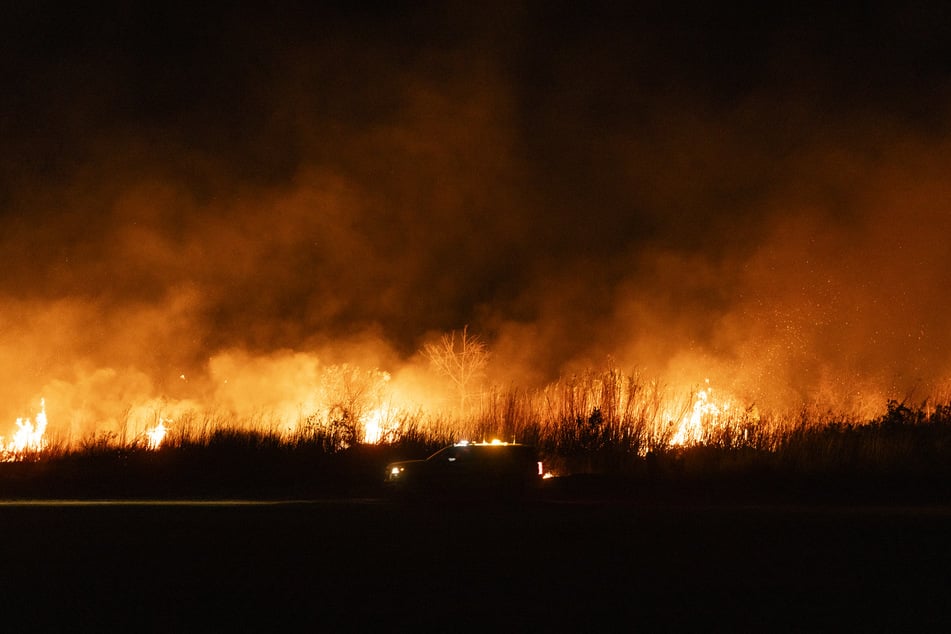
149, 566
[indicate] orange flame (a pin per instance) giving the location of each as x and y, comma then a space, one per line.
28, 437
156, 435
704, 413
379, 422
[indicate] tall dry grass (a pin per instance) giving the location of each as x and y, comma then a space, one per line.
590, 422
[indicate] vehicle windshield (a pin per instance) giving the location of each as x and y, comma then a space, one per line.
451, 453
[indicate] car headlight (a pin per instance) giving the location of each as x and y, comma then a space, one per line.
395, 472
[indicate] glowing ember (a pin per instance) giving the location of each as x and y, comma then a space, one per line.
28, 437
155, 435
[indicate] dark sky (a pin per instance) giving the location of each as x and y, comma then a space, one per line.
752, 193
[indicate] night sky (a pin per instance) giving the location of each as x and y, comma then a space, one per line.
741, 194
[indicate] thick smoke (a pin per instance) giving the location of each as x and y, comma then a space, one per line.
216, 207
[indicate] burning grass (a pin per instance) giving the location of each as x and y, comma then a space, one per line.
606, 424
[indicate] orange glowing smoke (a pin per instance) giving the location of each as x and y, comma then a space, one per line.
27, 439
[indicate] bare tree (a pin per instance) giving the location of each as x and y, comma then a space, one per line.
462, 359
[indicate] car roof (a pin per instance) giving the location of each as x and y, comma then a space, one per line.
485, 448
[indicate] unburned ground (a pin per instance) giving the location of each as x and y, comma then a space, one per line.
555, 565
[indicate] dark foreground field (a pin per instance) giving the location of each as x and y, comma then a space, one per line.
542, 566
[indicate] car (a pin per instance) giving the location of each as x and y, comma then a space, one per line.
486, 469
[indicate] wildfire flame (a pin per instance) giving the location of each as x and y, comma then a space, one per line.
378, 422
698, 420
155, 435
28, 437
703, 415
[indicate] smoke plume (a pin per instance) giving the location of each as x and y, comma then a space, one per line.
216, 205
